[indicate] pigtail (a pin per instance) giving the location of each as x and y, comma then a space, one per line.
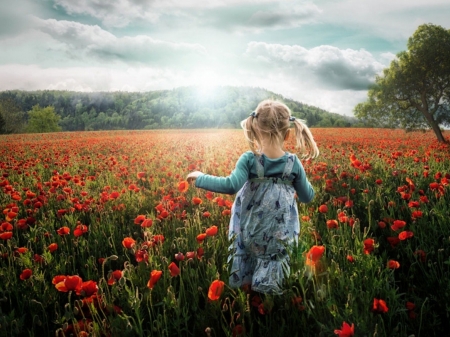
305, 140
250, 133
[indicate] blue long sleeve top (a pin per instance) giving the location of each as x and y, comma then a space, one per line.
246, 169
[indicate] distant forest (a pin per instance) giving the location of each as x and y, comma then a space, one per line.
185, 107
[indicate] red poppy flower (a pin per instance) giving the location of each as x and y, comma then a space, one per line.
52, 247
405, 235
434, 186
206, 214
87, 288
26, 274
211, 231
332, 223
346, 330
314, 255
369, 246
174, 270
350, 259
201, 237
200, 251
6, 235
58, 278
141, 175
179, 256
183, 186
398, 224
158, 238
38, 258
215, 290
392, 264
147, 223
155, 275
80, 230
116, 275
190, 255
22, 250
238, 331
323, 209
128, 242
196, 201
63, 231
421, 255
139, 219
70, 283
379, 306
141, 255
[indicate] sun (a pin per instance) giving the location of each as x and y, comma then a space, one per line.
206, 82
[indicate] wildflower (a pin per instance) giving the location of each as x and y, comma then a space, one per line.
183, 186
314, 255
80, 230
63, 231
26, 274
332, 223
52, 247
147, 223
6, 235
155, 275
200, 251
379, 306
398, 224
116, 275
87, 288
128, 242
215, 290
346, 330
393, 241
369, 246
141, 255
211, 231
201, 237
392, 264
190, 255
350, 259
421, 255
22, 250
139, 219
238, 330
196, 201
405, 235
174, 270
70, 283
179, 256
323, 208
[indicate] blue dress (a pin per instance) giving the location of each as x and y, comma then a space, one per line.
264, 226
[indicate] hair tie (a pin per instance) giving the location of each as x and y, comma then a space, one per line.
291, 118
253, 114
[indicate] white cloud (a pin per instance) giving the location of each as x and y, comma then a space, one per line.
325, 66
91, 41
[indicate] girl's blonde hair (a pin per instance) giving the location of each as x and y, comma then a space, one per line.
272, 119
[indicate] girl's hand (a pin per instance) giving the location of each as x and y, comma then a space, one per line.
193, 175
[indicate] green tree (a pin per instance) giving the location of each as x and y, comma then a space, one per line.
12, 116
43, 120
414, 92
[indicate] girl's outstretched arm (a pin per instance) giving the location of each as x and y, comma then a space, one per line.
193, 175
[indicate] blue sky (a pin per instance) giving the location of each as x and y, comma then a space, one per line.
324, 53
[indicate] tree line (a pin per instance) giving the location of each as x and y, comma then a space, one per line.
185, 107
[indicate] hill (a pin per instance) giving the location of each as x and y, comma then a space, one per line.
184, 107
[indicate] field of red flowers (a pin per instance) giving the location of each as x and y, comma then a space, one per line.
100, 235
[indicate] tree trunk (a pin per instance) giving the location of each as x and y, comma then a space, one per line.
434, 126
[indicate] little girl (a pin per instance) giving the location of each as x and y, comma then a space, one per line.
264, 221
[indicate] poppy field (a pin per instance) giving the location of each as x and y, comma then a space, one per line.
100, 235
